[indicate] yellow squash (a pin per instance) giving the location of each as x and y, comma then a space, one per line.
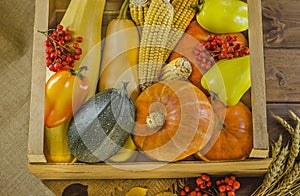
119, 63
56, 147
84, 19
120, 54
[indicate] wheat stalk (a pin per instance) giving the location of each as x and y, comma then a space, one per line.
289, 181
285, 124
295, 146
295, 191
283, 177
275, 170
295, 117
276, 147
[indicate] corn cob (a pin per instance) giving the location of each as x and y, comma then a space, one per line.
138, 11
183, 14
154, 39
178, 69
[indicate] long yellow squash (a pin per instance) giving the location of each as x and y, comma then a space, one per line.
83, 18
120, 54
119, 63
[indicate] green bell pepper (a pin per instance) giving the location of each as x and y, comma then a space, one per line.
228, 79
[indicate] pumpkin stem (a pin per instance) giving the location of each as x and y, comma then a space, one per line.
155, 120
219, 126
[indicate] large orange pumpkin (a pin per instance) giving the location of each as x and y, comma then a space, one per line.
174, 119
233, 136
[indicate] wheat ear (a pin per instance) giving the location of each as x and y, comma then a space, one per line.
274, 173
285, 124
289, 182
276, 148
295, 145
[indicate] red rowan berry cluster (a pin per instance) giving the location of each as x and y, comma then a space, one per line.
215, 48
61, 49
203, 183
203, 186
228, 186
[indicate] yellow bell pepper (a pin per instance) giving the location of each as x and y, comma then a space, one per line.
228, 79
223, 16
65, 92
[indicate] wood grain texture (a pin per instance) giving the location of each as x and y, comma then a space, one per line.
281, 23
258, 96
282, 69
142, 170
113, 187
36, 121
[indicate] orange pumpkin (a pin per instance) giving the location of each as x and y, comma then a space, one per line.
233, 136
174, 119
193, 35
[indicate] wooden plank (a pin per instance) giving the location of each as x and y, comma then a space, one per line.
36, 121
148, 169
154, 186
114, 187
258, 96
282, 69
281, 23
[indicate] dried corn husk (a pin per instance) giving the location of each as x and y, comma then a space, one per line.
178, 69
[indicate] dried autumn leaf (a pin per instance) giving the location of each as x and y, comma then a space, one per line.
137, 191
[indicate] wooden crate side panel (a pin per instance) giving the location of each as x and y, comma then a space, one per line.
36, 121
148, 170
258, 95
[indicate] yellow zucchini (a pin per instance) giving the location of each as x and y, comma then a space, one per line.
56, 147
119, 63
120, 54
84, 19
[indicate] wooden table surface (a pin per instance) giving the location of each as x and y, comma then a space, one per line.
281, 26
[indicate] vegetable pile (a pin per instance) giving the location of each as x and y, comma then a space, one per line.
168, 84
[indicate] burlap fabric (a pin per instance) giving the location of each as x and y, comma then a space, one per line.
16, 33
16, 27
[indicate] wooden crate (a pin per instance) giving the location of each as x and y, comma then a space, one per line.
47, 14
